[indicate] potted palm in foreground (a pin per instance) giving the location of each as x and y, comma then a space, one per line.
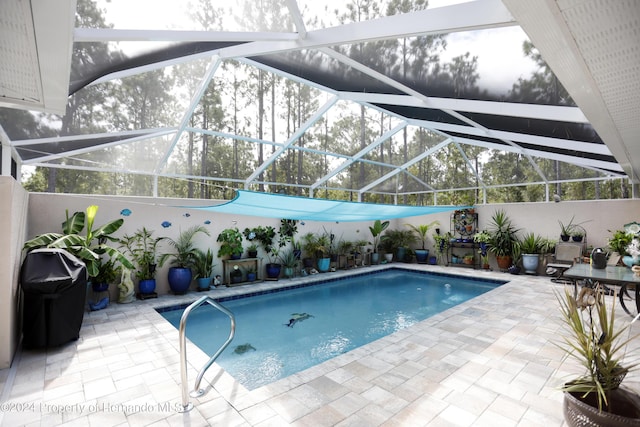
596, 398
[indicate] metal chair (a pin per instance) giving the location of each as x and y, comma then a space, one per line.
565, 256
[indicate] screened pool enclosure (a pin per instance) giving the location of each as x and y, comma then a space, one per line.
399, 102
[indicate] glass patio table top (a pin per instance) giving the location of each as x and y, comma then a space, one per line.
612, 275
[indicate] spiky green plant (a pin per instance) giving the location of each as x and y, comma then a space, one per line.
594, 341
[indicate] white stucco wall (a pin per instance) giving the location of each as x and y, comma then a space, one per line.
13, 218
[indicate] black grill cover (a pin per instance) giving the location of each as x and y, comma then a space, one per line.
54, 283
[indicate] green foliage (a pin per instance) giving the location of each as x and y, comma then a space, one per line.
288, 259
202, 264
230, 240
422, 230
183, 255
619, 242
376, 230
594, 341
142, 247
88, 247
393, 239
108, 272
503, 234
262, 234
531, 243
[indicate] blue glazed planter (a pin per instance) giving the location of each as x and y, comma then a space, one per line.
179, 280
422, 255
147, 286
273, 271
323, 264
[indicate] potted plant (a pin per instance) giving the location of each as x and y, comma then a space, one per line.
619, 242
141, 247
107, 274
346, 253
376, 230
273, 267
468, 259
252, 250
593, 339
182, 258
323, 251
203, 268
503, 237
516, 258
236, 275
442, 244
578, 234
230, 240
88, 247
388, 244
289, 263
482, 238
401, 242
421, 234
308, 249
530, 247
566, 229
252, 275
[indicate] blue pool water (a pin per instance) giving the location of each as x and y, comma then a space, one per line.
329, 318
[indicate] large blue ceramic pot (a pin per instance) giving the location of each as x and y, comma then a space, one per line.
147, 286
323, 264
422, 255
273, 270
179, 280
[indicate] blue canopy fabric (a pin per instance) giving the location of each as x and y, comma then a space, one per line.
303, 208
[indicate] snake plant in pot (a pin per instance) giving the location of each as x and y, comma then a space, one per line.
594, 340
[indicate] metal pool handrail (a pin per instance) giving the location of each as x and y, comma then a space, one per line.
197, 391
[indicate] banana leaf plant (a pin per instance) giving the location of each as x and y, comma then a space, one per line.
88, 247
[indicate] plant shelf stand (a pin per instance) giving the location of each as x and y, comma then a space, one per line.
227, 265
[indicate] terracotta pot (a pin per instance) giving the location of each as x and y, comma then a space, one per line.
504, 262
584, 412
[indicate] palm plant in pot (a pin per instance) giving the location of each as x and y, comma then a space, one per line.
596, 398
421, 234
142, 247
182, 258
503, 238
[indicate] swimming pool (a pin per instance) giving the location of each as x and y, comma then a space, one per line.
281, 333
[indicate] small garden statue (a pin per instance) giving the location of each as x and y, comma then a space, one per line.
126, 287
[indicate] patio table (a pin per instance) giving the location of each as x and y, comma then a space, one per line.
611, 275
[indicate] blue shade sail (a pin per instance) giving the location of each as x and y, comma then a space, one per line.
302, 208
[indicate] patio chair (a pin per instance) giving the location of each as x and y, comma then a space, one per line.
565, 256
